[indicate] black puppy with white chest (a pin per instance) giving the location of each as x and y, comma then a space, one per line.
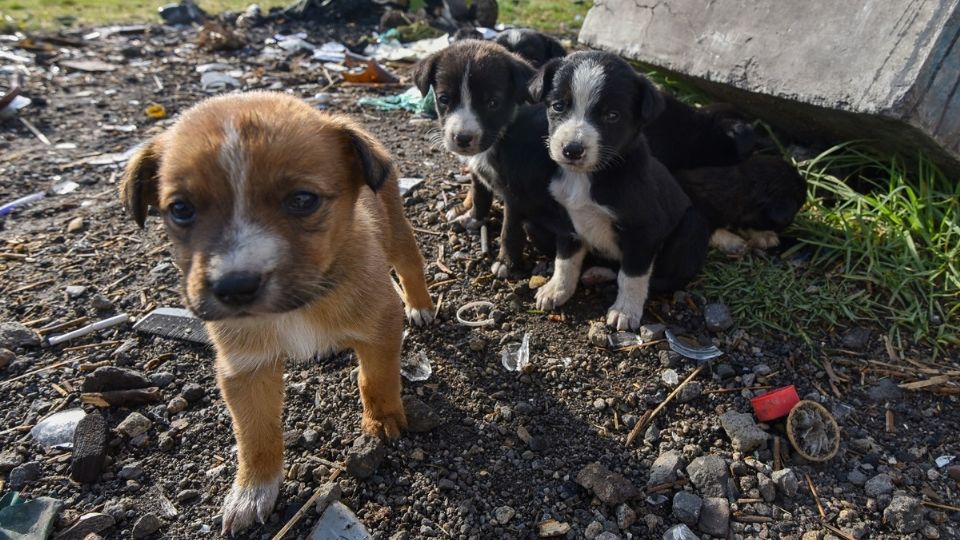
624, 204
482, 98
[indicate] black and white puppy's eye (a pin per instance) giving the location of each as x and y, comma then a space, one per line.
611, 117
493, 104
557, 106
301, 203
182, 213
443, 99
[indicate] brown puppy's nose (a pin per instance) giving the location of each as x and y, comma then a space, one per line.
237, 288
573, 150
463, 139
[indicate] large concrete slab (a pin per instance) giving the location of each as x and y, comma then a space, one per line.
827, 70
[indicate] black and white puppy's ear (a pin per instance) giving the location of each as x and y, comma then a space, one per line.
650, 102
542, 82
425, 74
555, 49
375, 163
139, 185
521, 72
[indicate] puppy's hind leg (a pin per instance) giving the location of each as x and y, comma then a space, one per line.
255, 401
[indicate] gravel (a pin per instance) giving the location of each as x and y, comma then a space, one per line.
686, 507
743, 431
880, 484
709, 475
665, 467
611, 488
715, 516
904, 514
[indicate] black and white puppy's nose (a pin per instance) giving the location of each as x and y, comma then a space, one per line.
237, 288
463, 139
573, 150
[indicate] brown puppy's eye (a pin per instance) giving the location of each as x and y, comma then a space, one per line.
182, 213
301, 203
611, 117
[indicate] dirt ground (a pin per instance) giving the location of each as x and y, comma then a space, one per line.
578, 401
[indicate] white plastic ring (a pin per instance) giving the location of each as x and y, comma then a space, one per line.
475, 305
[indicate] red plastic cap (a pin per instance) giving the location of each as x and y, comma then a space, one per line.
775, 403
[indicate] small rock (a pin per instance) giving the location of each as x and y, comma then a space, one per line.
107, 378
75, 291
664, 468
192, 392
743, 431
6, 356
365, 456
768, 490
680, 532
187, 495
885, 390
709, 474
593, 530
177, 405
930, 532
880, 484
607, 535
551, 527
856, 339
134, 425
625, 516
9, 459
953, 472
691, 391
75, 225
652, 332
536, 282
686, 507
310, 437
762, 370
725, 372
856, 477
904, 514
21, 475
717, 317
92, 523
162, 379
330, 493
668, 358
786, 482
14, 334
715, 516
420, 417
652, 435
598, 334
610, 487
130, 471
89, 448
670, 377
504, 514
101, 303
477, 344
145, 526
599, 404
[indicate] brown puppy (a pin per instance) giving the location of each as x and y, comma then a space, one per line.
284, 222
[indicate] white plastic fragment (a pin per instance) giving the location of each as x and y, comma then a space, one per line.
90, 328
694, 353
477, 305
943, 461
516, 356
619, 340
339, 522
416, 368
56, 430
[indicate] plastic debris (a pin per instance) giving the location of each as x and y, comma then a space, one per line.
620, 340
657, 500
88, 66
22, 201
339, 522
56, 430
22, 519
155, 111
410, 100
186, 12
174, 323
812, 431
516, 356
11, 102
943, 461
775, 403
391, 50
90, 328
416, 368
372, 73
215, 81
408, 184
331, 51
701, 354
478, 306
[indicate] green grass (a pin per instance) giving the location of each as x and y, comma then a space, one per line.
561, 16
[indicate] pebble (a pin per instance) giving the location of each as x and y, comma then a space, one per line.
786, 482
599, 404
880, 484
92, 523
953, 472
14, 334
690, 391
856, 477
904, 514
885, 390
108, 378
131, 471
504, 514
89, 448
768, 490
598, 334
686, 507
75, 225
310, 437
6, 356
652, 332
709, 474
856, 338
134, 425
477, 344
146, 525
593, 530
330, 493
725, 371
21, 475
536, 282
670, 378
551, 527
715, 516
717, 317
101, 303
420, 417
365, 456
665, 467
9, 459
743, 431
626, 516
187, 495
192, 392
680, 532
611, 488
161, 379
75, 291
607, 535
177, 405
652, 435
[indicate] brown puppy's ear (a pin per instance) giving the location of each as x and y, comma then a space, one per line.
521, 72
138, 188
651, 102
542, 82
425, 74
376, 166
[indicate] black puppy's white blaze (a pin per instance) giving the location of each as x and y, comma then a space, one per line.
462, 124
576, 143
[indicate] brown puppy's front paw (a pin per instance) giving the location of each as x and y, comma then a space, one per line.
246, 503
385, 426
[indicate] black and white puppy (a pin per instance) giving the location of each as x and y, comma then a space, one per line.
482, 98
757, 198
624, 204
535, 47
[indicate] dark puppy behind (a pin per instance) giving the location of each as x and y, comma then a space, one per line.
624, 204
535, 47
481, 89
757, 198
